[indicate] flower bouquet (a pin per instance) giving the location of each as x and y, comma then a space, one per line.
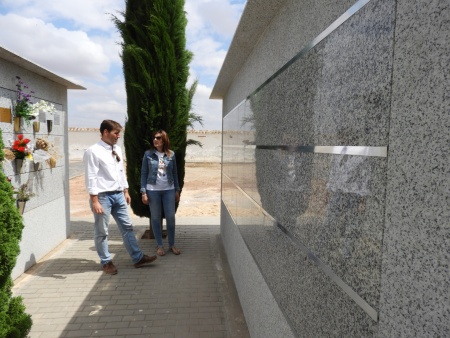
43, 106
45, 151
9, 155
23, 193
23, 107
48, 109
20, 148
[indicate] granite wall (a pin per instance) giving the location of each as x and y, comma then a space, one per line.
46, 216
335, 168
415, 284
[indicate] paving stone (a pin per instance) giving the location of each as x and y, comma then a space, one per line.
175, 296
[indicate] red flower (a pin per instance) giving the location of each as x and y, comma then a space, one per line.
22, 140
19, 146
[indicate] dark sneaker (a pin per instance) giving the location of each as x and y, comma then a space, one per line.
109, 268
145, 260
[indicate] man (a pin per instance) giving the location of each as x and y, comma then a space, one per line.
108, 188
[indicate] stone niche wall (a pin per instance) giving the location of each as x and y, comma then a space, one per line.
335, 171
46, 214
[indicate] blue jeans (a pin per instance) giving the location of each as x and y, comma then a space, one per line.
114, 203
159, 199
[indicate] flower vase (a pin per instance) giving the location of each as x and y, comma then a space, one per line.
19, 163
17, 123
52, 162
21, 206
36, 126
49, 126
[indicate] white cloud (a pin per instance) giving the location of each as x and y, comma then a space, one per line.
89, 108
207, 17
221, 16
111, 47
78, 41
211, 25
71, 54
208, 56
210, 110
82, 14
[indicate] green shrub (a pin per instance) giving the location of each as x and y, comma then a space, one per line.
14, 322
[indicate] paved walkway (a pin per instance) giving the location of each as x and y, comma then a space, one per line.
191, 295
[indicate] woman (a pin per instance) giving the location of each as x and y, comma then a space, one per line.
160, 188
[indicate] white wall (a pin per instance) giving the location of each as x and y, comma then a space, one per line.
46, 217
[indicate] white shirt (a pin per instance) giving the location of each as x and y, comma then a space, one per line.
162, 183
102, 171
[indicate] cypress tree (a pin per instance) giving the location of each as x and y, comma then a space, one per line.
156, 69
14, 322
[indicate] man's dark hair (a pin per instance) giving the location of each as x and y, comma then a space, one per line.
109, 125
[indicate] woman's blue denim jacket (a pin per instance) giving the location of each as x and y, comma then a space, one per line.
149, 169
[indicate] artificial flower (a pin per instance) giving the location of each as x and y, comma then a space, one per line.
20, 147
23, 193
23, 106
44, 107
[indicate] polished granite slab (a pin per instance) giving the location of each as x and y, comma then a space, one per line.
415, 288
291, 204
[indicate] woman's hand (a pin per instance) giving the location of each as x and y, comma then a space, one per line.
145, 199
177, 196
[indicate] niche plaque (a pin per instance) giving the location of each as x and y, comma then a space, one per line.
5, 115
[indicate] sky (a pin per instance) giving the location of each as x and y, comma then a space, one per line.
77, 40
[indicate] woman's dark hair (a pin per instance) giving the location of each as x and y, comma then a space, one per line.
165, 140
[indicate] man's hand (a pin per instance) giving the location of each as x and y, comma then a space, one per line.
127, 196
96, 206
177, 196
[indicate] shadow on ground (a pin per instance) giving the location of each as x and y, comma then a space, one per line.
191, 295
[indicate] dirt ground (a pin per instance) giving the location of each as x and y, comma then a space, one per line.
200, 195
